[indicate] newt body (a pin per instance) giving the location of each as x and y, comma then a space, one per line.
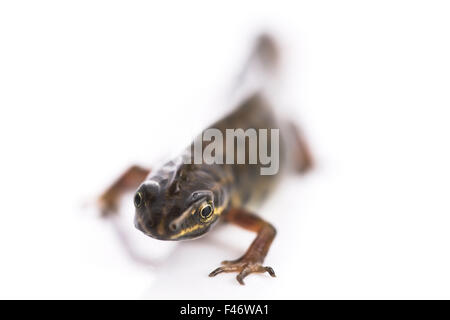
181, 200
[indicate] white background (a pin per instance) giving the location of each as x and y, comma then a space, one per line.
89, 87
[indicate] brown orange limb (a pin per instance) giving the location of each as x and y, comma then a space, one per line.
251, 261
128, 181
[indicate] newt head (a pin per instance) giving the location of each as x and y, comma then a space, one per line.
178, 203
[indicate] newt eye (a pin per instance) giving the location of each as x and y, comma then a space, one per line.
138, 200
206, 211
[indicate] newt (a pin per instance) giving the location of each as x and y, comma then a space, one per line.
183, 200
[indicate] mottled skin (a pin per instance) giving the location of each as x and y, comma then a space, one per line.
181, 201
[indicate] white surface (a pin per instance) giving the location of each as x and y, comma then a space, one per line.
88, 87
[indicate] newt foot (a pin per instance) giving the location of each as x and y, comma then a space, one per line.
244, 267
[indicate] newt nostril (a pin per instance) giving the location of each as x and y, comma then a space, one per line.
173, 226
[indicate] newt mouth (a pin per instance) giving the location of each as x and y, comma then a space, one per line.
141, 227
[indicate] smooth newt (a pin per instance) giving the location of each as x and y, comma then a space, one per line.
180, 200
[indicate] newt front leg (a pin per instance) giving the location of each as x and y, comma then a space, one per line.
251, 261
